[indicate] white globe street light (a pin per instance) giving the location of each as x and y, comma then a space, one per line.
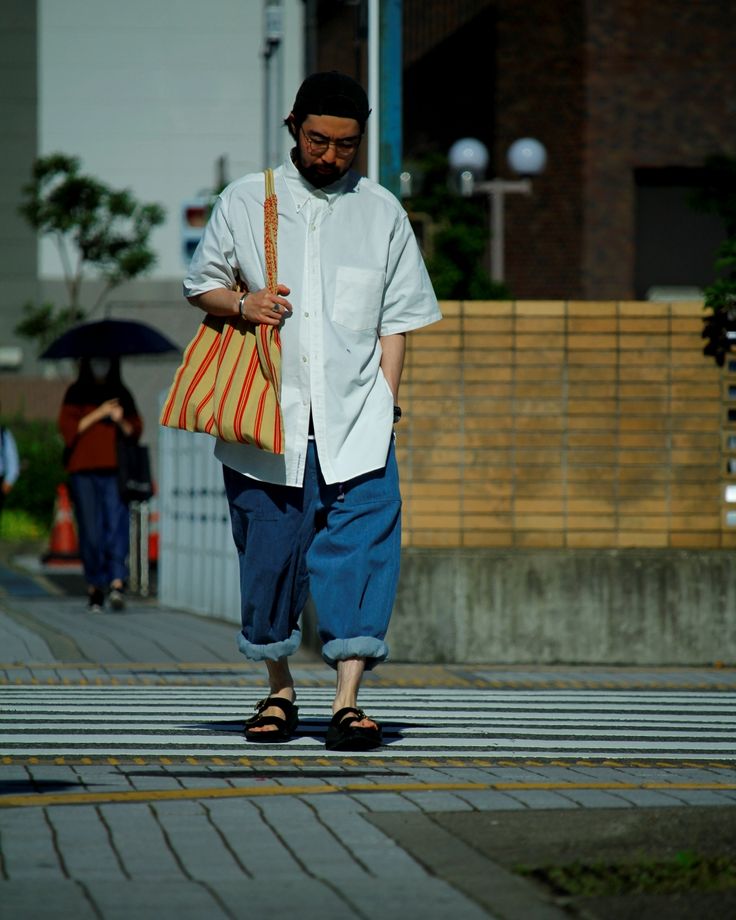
527, 156
468, 158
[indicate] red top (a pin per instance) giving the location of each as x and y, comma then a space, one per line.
96, 447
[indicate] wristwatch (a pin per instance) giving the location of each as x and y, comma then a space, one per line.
397, 414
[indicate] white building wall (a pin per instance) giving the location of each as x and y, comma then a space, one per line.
149, 93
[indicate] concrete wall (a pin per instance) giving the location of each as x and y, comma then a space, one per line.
545, 606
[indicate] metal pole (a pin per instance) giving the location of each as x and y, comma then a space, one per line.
143, 551
497, 189
391, 56
497, 202
374, 84
272, 36
133, 548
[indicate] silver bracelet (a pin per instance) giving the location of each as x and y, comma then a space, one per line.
240, 304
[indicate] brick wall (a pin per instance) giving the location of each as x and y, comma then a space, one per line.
661, 91
565, 424
608, 86
540, 92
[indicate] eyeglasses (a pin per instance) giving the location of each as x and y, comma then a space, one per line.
344, 146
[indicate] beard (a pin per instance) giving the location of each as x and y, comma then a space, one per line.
318, 175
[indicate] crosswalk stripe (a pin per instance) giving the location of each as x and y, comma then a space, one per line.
38, 721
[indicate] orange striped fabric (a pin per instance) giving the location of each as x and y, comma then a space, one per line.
229, 381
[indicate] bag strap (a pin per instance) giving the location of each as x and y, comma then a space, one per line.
270, 232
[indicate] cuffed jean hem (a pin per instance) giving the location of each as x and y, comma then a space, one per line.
273, 650
374, 651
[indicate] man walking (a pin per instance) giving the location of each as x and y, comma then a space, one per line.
324, 517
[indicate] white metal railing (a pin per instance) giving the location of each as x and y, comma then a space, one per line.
198, 563
139, 563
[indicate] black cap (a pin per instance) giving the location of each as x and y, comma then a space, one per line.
331, 93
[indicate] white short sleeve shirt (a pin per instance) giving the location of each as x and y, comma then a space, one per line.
355, 273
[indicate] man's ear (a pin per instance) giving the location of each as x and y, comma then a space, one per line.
290, 123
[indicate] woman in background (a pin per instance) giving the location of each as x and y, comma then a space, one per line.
97, 410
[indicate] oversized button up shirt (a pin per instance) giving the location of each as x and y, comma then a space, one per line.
350, 258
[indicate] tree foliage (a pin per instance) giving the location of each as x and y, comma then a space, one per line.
460, 237
95, 229
718, 196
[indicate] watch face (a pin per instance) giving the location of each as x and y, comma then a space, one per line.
397, 413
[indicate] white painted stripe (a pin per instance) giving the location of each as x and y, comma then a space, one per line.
460, 712
429, 722
395, 693
436, 718
417, 739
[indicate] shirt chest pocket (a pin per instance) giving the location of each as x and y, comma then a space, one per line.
358, 298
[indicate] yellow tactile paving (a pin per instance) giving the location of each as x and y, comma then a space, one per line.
387, 761
168, 795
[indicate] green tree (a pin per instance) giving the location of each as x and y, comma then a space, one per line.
460, 237
718, 196
39, 447
95, 228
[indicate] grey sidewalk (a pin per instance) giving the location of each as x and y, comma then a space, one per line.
259, 834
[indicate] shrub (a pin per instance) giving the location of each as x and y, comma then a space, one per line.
718, 196
19, 527
40, 449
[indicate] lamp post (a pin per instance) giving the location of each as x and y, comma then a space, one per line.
469, 158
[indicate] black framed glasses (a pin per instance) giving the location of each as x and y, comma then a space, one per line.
318, 143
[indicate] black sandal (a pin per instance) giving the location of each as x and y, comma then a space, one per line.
342, 736
285, 727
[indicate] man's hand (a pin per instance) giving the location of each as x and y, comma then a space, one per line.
267, 308
258, 306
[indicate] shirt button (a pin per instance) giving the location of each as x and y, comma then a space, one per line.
305, 359
305, 313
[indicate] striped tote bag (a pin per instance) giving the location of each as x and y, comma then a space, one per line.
229, 381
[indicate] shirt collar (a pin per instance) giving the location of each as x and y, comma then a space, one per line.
302, 190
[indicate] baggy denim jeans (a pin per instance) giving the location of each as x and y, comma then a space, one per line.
342, 543
103, 522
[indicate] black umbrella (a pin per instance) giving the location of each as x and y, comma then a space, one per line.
109, 338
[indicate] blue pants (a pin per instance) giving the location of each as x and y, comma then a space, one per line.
103, 524
342, 543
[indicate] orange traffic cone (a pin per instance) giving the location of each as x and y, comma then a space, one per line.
63, 546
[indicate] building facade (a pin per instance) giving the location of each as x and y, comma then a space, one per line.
628, 99
164, 99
